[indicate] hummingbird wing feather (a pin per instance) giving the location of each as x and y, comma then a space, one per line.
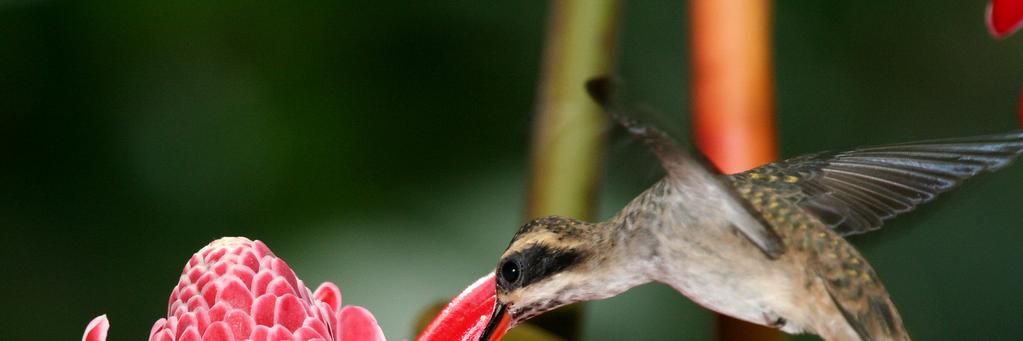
855, 191
855, 289
677, 162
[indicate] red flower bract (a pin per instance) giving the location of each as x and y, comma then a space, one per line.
1004, 17
237, 289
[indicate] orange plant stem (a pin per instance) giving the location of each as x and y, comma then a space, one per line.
733, 103
732, 87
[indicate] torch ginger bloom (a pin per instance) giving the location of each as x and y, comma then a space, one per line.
237, 289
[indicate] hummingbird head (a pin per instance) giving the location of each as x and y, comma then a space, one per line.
551, 262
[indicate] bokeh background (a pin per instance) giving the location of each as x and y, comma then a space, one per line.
383, 146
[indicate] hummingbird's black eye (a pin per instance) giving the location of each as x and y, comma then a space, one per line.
510, 271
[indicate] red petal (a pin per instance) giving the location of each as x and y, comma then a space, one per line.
282, 269
158, 326
218, 331
241, 324
261, 249
195, 273
205, 279
190, 334
467, 314
280, 287
184, 295
186, 321
260, 282
319, 326
306, 334
215, 256
236, 295
244, 274
209, 293
97, 329
358, 324
263, 310
221, 268
163, 335
330, 294
279, 333
218, 311
202, 317
290, 312
1004, 17
249, 259
260, 333
197, 303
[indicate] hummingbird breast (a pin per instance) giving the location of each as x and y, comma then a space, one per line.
819, 283
699, 252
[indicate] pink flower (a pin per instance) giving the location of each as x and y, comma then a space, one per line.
1004, 17
237, 289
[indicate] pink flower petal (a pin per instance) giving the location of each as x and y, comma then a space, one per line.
197, 303
163, 335
280, 287
263, 310
240, 323
184, 322
218, 331
279, 333
358, 324
282, 269
244, 274
218, 311
249, 259
330, 294
97, 329
190, 334
209, 293
260, 333
1004, 17
236, 295
157, 327
320, 327
306, 334
290, 312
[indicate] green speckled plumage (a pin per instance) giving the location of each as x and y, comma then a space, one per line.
812, 200
849, 279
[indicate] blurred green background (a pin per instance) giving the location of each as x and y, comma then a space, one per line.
383, 146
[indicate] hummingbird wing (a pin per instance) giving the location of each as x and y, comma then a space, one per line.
855, 191
677, 162
854, 288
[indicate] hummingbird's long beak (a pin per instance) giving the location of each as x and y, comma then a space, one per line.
498, 323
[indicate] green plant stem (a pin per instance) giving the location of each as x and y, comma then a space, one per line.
568, 127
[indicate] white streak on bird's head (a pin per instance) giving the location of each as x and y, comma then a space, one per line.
551, 262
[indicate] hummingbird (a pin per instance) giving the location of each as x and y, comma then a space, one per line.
765, 246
